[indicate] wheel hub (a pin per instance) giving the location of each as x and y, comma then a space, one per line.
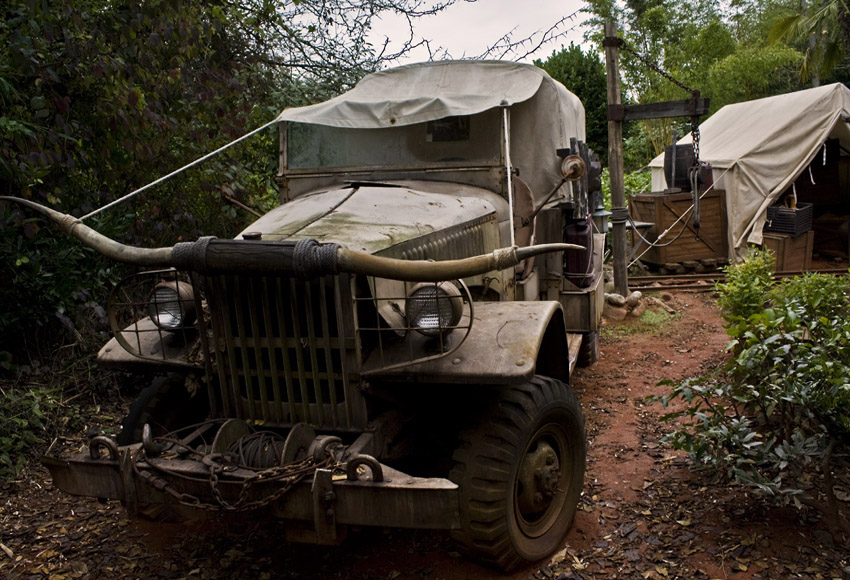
538, 480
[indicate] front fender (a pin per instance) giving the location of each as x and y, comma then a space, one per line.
155, 350
508, 344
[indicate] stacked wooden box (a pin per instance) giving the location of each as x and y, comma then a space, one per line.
663, 209
792, 253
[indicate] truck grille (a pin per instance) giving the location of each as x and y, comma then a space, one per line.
284, 350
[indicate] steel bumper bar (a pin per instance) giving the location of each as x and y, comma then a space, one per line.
327, 498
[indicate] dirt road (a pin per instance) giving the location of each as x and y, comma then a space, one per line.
643, 514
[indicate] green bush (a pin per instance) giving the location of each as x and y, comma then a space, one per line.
815, 296
633, 183
27, 413
777, 418
53, 285
745, 290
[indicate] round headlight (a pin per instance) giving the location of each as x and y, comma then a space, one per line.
172, 305
434, 309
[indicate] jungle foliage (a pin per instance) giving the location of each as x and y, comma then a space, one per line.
730, 51
98, 98
777, 418
583, 73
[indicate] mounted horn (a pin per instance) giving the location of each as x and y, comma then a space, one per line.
305, 258
424, 271
117, 251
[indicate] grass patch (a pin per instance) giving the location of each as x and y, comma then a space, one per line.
651, 322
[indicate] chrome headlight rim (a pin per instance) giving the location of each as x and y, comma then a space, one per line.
172, 305
434, 309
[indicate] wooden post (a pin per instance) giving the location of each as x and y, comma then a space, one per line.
615, 160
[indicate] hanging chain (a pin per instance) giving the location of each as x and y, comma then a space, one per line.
657, 68
695, 136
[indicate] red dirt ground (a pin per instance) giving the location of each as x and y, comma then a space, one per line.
643, 514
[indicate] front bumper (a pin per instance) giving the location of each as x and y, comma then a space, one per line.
325, 500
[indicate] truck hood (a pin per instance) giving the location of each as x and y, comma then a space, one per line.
373, 217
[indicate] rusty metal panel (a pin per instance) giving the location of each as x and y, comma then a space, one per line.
86, 477
501, 348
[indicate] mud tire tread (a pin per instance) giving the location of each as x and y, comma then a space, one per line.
486, 463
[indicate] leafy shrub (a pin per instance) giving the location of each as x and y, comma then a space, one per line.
745, 290
51, 284
27, 413
633, 183
777, 418
816, 296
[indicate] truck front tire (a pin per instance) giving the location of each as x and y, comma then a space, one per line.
520, 473
166, 405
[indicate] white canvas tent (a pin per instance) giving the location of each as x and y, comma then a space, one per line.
758, 148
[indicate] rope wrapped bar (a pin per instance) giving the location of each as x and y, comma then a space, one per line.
619, 215
305, 258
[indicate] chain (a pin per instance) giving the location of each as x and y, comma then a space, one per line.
287, 476
695, 136
657, 68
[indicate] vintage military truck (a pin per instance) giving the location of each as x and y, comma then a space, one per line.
393, 344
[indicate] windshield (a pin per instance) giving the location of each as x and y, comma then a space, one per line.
460, 141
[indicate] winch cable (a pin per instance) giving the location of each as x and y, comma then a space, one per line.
177, 171
257, 448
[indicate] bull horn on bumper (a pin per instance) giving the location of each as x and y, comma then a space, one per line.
306, 258
424, 271
97, 241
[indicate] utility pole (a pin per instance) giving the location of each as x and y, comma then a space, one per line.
619, 212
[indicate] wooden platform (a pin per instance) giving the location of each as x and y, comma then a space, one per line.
663, 209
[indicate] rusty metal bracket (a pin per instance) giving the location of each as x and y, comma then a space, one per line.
152, 448
323, 447
324, 512
616, 112
128, 483
99, 444
368, 461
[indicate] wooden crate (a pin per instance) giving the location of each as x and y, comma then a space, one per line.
793, 253
663, 209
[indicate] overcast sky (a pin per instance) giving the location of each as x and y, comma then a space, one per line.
468, 28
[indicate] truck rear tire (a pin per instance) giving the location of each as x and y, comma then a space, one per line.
520, 473
588, 353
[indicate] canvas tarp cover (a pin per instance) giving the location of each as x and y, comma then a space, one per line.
424, 92
758, 148
544, 114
